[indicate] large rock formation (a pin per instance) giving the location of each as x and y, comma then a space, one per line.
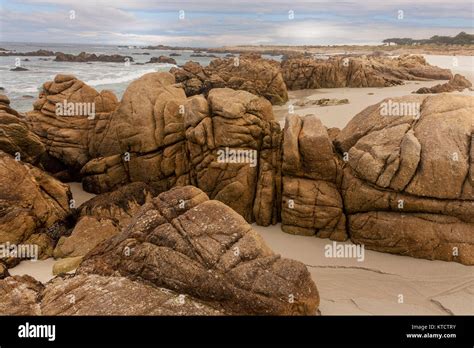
302, 73
227, 145
182, 254
249, 73
94, 295
457, 83
201, 248
408, 184
34, 207
233, 144
312, 173
15, 137
143, 139
67, 117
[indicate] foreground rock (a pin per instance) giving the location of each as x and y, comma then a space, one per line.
249, 73
67, 117
336, 72
201, 248
457, 83
93, 295
408, 185
35, 207
103, 217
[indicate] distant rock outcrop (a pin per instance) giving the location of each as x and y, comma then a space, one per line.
365, 71
162, 59
91, 57
457, 83
38, 53
249, 73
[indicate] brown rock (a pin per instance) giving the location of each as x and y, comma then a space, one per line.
35, 206
249, 73
372, 71
94, 295
413, 172
19, 295
16, 138
68, 116
311, 202
233, 151
186, 243
457, 83
88, 232
143, 140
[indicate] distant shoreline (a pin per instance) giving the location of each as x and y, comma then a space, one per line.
433, 49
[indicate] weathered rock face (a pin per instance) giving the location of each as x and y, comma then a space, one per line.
3, 271
15, 137
67, 116
102, 217
19, 295
227, 145
196, 247
457, 83
94, 295
233, 146
408, 183
143, 140
358, 72
34, 206
249, 73
312, 173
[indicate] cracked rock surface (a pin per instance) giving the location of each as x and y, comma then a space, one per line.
365, 71
408, 185
199, 247
250, 73
34, 207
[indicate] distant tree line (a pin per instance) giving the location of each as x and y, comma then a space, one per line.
460, 39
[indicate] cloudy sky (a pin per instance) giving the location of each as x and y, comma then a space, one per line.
229, 22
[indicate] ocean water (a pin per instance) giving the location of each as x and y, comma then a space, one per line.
22, 87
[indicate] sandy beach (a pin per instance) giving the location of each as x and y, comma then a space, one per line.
359, 99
